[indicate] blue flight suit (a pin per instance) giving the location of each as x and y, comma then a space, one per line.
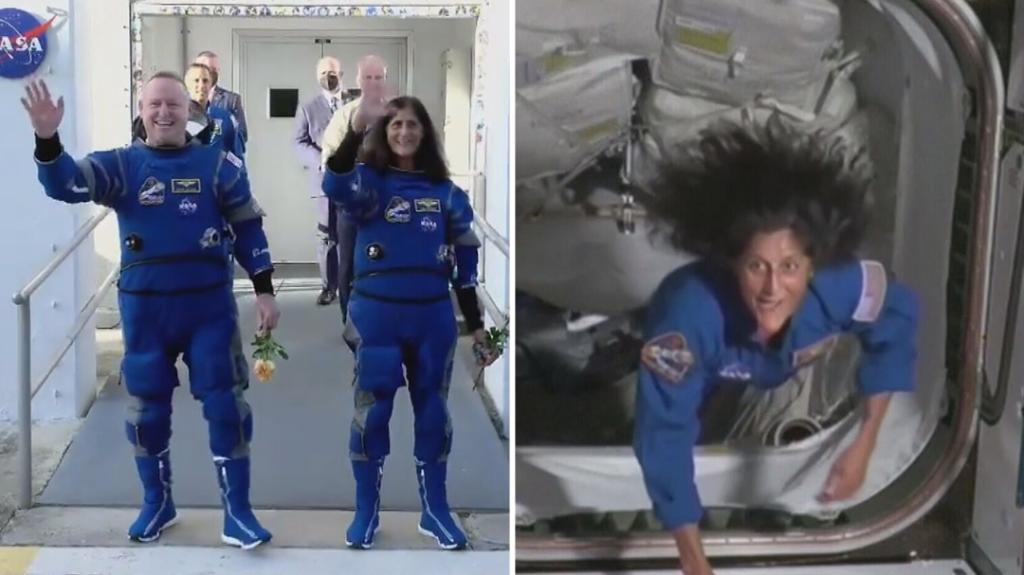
410, 233
700, 334
225, 131
176, 209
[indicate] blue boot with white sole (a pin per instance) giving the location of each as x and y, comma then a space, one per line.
241, 528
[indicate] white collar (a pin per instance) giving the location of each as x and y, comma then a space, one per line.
328, 96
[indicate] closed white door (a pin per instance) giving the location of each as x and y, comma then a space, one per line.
279, 182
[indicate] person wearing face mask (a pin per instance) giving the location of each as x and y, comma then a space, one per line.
310, 121
777, 217
174, 199
220, 126
414, 242
221, 97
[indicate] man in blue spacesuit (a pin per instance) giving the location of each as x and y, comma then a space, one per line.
413, 225
777, 218
223, 125
178, 203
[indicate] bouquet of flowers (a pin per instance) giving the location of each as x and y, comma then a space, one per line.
265, 349
497, 339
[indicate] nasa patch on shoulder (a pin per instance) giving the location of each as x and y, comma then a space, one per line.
872, 291
235, 160
668, 356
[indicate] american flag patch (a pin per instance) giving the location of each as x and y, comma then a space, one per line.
235, 160
872, 292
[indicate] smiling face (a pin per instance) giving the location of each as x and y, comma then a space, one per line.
164, 111
199, 82
405, 132
773, 275
213, 63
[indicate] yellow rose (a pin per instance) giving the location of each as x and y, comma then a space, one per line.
264, 369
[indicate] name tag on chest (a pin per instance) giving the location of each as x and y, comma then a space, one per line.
427, 205
186, 186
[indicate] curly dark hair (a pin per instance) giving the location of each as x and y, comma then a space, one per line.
429, 156
737, 181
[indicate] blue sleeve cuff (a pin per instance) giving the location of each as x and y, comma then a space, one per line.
251, 246
669, 479
338, 185
467, 259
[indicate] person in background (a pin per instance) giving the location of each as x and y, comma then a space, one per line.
223, 126
222, 97
371, 78
310, 121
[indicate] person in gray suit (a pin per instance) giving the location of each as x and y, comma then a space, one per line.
222, 98
336, 235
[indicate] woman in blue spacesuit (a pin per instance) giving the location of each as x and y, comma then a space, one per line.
776, 217
414, 226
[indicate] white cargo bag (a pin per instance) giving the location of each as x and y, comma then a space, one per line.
582, 262
731, 51
672, 120
572, 116
540, 54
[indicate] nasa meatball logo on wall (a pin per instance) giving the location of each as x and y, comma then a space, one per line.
22, 42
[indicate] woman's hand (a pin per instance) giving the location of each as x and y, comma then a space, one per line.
692, 560
848, 472
370, 110
43, 113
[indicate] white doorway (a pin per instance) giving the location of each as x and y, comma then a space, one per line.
458, 128
280, 61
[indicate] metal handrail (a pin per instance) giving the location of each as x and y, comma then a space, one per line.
500, 241
26, 391
978, 62
500, 317
82, 233
492, 234
993, 404
83, 319
492, 308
